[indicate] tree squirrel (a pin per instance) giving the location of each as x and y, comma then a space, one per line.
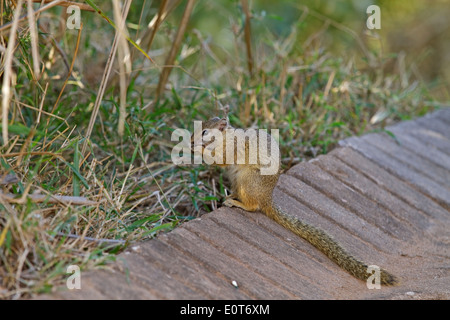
252, 191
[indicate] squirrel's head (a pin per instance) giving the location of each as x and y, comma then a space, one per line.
199, 137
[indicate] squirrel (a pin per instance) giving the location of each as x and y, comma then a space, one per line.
252, 191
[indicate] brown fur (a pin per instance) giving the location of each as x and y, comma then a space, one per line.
252, 191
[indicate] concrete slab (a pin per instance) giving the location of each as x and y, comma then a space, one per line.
426, 137
355, 202
413, 159
408, 216
437, 157
399, 188
403, 170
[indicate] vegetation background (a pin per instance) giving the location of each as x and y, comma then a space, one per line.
87, 114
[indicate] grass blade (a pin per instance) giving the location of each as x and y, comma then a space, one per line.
76, 164
78, 174
175, 47
6, 86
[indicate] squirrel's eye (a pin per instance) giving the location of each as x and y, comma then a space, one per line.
204, 132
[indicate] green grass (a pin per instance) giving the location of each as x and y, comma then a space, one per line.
315, 97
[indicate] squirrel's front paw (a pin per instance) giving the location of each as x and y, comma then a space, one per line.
228, 202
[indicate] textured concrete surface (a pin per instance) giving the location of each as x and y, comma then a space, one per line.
386, 200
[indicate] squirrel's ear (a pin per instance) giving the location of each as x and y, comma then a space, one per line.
224, 123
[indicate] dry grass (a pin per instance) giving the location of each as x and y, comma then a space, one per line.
85, 165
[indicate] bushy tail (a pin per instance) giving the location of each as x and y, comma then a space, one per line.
327, 245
